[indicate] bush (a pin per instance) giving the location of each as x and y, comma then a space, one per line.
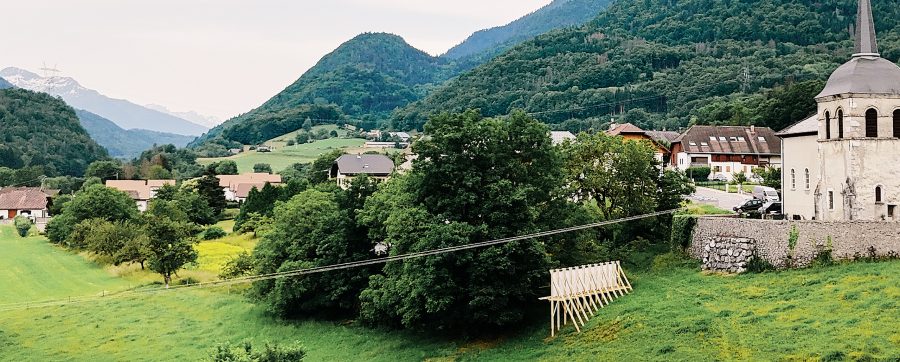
759, 265
23, 225
291, 143
239, 266
213, 233
682, 232
245, 352
699, 173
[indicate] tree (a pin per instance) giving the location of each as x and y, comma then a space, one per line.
739, 178
307, 125
158, 172
303, 137
209, 190
770, 175
476, 179
104, 170
309, 231
197, 209
259, 202
321, 167
262, 168
226, 167
244, 352
22, 224
94, 202
168, 247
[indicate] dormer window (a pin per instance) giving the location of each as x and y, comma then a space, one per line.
722, 139
712, 138
761, 139
704, 144
733, 139
692, 143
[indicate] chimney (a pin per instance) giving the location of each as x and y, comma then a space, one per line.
612, 126
752, 129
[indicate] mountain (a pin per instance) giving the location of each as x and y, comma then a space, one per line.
665, 64
203, 120
368, 76
4, 84
124, 113
123, 143
487, 43
37, 129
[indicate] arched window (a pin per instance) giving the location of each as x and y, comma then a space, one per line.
827, 125
897, 123
871, 123
793, 179
878, 194
840, 123
807, 179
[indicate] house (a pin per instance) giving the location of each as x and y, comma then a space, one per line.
659, 139
141, 191
26, 201
372, 144
402, 136
231, 184
851, 156
560, 137
346, 167
726, 150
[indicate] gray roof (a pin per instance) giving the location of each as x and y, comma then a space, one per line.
379, 165
864, 75
808, 126
730, 140
865, 29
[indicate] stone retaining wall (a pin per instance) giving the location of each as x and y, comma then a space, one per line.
727, 244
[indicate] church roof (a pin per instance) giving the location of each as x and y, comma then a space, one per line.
808, 126
866, 72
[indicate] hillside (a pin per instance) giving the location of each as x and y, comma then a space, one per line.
678, 314
684, 61
125, 143
487, 43
37, 129
4, 84
124, 113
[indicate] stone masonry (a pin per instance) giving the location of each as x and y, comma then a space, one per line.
726, 244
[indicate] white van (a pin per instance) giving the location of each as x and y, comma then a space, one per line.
766, 193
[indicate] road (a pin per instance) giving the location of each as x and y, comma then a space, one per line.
718, 198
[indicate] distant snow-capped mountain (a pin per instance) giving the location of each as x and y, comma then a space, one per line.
208, 121
123, 113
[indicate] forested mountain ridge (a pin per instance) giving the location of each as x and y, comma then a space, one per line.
39, 130
121, 143
368, 76
484, 44
708, 61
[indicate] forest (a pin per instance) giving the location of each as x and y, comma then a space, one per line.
681, 62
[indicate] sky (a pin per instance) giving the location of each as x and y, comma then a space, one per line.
221, 57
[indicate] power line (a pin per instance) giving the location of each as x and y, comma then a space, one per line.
328, 268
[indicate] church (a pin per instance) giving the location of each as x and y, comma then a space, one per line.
840, 164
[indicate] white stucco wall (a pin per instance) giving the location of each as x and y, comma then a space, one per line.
800, 155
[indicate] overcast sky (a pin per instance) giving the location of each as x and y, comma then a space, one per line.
221, 57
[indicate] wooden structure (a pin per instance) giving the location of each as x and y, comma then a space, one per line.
578, 293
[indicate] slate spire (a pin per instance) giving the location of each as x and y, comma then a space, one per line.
865, 30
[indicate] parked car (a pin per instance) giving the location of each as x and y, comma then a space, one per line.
771, 209
766, 193
719, 177
749, 206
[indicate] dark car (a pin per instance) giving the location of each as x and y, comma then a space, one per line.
771, 208
749, 206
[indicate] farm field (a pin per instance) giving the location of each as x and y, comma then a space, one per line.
849, 311
282, 157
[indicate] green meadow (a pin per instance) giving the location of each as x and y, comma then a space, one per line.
844, 312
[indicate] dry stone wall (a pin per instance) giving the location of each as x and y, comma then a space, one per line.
727, 244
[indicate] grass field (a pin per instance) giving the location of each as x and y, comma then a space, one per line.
282, 157
676, 313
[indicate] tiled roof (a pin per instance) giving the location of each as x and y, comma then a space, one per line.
666, 136
242, 190
138, 189
625, 128
379, 165
738, 140
807, 126
231, 181
26, 198
559, 137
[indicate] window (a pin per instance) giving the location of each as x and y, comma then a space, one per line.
830, 200
840, 123
712, 138
793, 179
733, 139
761, 139
827, 125
807, 179
871, 123
693, 143
897, 123
741, 139
704, 144
878, 195
722, 139
727, 168
892, 211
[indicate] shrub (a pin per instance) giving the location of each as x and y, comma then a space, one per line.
823, 257
699, 173
23, 225
291, 143
757, 264
245, 352
682, 231
213, 233
239, 266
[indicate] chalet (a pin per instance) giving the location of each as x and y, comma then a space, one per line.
659, 139
346, 167
237, 187
560, 137
727, 150
26, 201
141, 191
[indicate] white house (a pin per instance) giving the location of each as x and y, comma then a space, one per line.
26, 201
727, 150
141, 191
231, 184
852, 158
800, 169
346, 167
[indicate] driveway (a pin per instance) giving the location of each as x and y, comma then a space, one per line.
720, 199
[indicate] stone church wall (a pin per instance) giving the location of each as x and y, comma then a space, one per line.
727, 244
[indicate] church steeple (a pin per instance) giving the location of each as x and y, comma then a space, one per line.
866, 45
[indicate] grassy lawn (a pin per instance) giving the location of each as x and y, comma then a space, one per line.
282, 157
748, 188
695, 208
676, 313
